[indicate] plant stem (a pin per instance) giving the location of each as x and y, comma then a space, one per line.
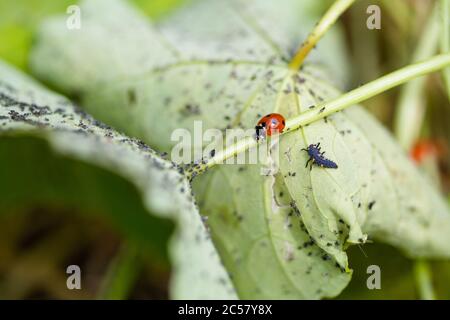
325, 109
411, 106
369, 90
445, 38
121, 275
422, 274
328, 19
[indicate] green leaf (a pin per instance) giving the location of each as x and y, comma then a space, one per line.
225, 63
27, 109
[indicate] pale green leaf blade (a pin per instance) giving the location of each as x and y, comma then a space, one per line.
263, 241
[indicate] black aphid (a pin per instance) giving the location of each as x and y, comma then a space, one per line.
315, 156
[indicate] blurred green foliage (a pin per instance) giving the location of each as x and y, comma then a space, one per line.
19, 19
66, 186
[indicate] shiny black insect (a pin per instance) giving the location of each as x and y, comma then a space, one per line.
315, 156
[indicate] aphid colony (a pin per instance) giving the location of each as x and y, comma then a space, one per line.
275, 123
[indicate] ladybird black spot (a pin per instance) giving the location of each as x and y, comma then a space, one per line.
371, 204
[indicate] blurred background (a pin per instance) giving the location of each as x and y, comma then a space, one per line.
94, 219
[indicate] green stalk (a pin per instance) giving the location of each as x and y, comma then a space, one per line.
422, 273
121, 275
369, 90
445, 39
327, 20
410, 110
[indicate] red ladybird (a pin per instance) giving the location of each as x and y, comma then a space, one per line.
425, 148
273, 122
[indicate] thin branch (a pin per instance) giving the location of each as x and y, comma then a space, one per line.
121, 275
445, 38
328, 19
410, 110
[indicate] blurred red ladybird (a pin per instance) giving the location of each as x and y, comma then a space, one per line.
423, 149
